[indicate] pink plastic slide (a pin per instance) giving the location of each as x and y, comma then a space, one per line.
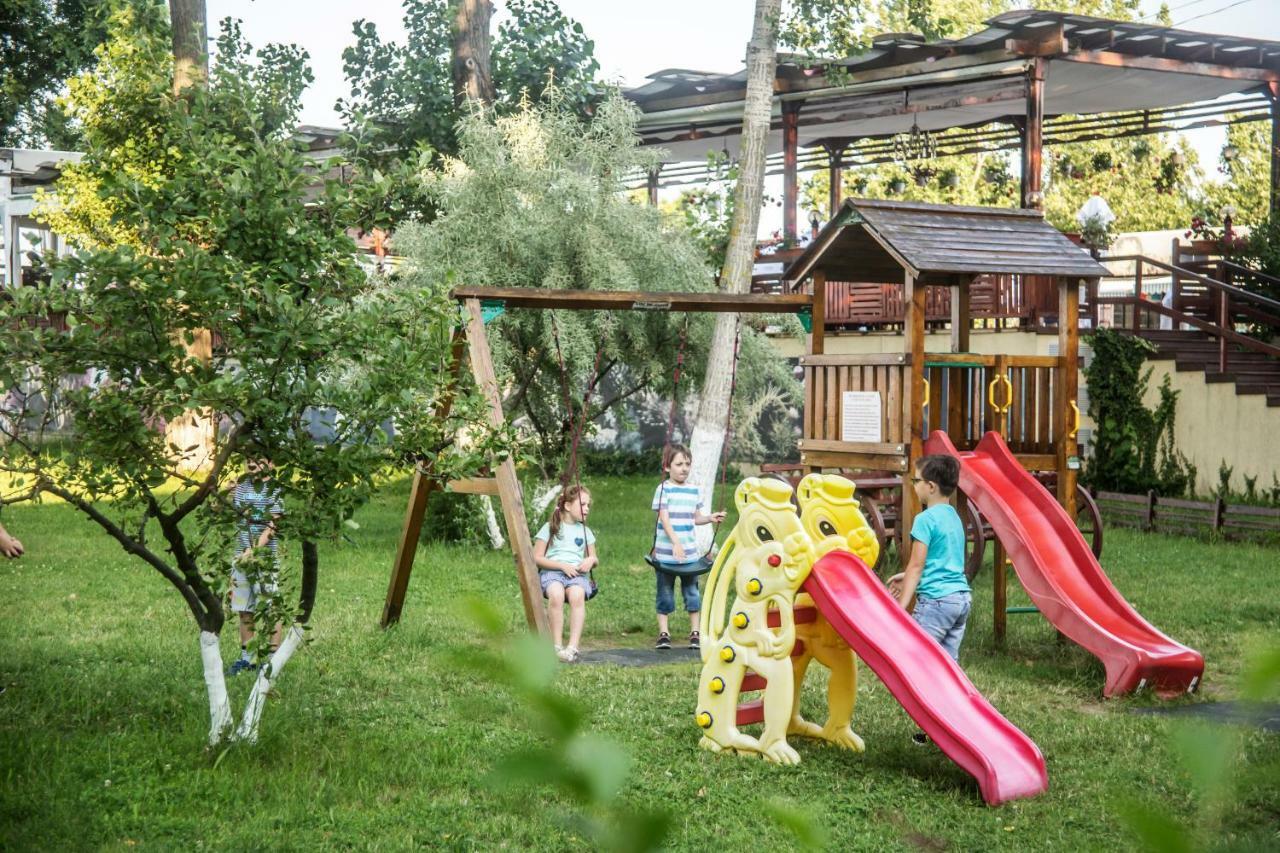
1062, 576
931, 687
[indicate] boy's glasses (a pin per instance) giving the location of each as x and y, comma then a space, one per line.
917, 479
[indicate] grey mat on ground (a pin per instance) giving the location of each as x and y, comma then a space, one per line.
1266, 716
641, 657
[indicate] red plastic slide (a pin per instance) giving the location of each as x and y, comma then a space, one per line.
1062, 576
931, 687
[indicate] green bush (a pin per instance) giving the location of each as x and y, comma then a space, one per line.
1133, 448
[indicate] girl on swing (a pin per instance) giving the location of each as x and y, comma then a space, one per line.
565, 551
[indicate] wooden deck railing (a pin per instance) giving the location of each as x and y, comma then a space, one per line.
1220, 312
1006, 299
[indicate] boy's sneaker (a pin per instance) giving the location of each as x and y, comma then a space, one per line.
664, 641
695, 640
920, 739
241, 665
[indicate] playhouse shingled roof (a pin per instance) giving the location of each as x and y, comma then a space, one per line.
878, 241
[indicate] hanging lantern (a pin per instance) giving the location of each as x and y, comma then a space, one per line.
914, 145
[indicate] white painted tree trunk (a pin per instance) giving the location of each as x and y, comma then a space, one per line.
215, 684
248, 730
491, 524
543, 499
708, 427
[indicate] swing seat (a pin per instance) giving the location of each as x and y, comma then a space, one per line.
689, 570
595, 589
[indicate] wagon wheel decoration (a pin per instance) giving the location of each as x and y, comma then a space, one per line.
871, 511
975, 536
1089, 519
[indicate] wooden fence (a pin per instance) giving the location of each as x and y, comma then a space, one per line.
1174, 515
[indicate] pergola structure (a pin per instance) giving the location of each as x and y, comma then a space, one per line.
1031, 77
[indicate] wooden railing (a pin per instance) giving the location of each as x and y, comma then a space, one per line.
966, 395
1001, 298
1218, 314
969, 394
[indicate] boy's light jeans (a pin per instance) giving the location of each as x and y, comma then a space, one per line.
944, 619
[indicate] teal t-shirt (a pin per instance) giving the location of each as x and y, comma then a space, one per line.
570, 544
941, 530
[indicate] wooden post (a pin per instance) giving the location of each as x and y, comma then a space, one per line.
508, 484
790, 187
1273, 91
835, 174
1068, 381
817, 337
423, 485
912, 402
999, 598
1033, 136
1137, 292
653, 185
1151, 509
960, 316
1219, 514
1224, 320
1002, 394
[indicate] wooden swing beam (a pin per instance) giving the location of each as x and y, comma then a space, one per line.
504, 484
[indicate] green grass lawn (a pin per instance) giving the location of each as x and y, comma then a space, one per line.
380, 740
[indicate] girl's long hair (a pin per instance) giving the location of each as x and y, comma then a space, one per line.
568, 495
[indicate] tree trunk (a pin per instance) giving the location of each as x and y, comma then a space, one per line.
215, 684
713, 405
195, 428
188, 20
471, 78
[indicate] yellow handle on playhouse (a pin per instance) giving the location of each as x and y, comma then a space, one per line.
927, 393
1075, 425
991, 393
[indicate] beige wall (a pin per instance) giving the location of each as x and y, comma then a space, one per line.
1214, 423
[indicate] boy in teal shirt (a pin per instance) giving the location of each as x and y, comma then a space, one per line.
935, 572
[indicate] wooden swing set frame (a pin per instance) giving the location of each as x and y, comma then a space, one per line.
470, 339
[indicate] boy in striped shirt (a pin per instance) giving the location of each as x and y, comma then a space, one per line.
679, 508
257, 504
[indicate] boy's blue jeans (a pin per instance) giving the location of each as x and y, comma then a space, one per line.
945, 619
666, 598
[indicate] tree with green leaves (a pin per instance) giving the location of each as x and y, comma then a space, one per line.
196, 212
404, 107
535, 199
43, 44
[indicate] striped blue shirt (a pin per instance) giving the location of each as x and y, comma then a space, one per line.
682, 503
255, 508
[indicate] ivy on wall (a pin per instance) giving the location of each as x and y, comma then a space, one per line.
1133, 448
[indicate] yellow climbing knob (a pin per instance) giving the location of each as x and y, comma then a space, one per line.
704, 719
754, 586
740, 620
727, 654
717, 685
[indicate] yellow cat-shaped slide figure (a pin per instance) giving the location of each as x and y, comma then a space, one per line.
833, 519
765, 560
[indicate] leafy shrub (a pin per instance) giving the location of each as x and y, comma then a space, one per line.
1134, 450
